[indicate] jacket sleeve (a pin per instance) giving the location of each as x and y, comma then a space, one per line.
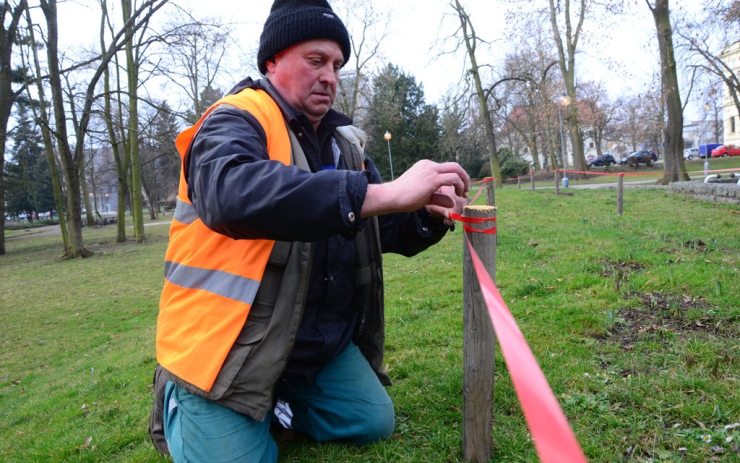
407, 233
239, 192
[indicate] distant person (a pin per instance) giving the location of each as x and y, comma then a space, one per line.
273, 291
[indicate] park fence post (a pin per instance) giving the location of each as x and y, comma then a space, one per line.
531, 178
518, 182
490, 193
620, 193
557, 182
478, 344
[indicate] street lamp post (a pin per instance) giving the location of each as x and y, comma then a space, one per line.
387, 138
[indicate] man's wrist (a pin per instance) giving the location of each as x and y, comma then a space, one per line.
379, 199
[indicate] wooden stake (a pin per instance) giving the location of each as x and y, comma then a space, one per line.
620, 193
490, 194
479, 343
531, 178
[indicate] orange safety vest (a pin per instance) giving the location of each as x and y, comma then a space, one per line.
210, 279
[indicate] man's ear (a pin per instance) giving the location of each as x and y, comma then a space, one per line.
270, 64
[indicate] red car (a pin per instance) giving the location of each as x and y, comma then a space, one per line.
726, 150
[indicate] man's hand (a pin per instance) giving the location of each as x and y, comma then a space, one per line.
444, 203
440, 186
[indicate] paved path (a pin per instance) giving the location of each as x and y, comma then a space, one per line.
594, 186
53, 230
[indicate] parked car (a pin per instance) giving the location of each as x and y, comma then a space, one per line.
706, 150
690, 153
726, 150
603, 160
640, 157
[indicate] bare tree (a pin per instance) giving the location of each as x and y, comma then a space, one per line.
71, 159
566, 41
707, 41
599, 113
114, 126
194, 53
8, 33
674, 168
40, 114
363, 22
134, 48
534, 115
636, 122
470, 40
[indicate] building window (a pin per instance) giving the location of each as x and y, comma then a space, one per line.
732, 124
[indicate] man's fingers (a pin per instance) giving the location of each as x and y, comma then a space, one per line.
453, 180
442, 200
455, 168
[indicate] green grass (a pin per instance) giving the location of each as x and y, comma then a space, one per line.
634, 321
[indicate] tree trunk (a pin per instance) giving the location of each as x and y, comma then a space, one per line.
533, 149
567, 61
70, 168
674, 168
43, 116
120, 159
87, 195
7, 96
133, 128
470, 44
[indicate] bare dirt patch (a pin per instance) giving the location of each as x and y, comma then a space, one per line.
660, 312
611, 268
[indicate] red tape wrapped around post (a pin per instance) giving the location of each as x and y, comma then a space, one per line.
468, 220
552, 435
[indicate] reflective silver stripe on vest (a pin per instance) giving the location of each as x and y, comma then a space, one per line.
214, 281
185, 212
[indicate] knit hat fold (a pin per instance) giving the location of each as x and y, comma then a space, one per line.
294, 21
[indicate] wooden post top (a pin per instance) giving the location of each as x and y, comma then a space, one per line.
480, 208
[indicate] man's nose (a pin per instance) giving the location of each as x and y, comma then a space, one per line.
328, 75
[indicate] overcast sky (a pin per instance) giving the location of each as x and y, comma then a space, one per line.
622, 51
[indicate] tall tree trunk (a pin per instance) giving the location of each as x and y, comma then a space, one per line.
133, 128
7, 96
567, 61
674, 168
470, 45
43, 116
87, 195
534, 150
120, 158
70, 168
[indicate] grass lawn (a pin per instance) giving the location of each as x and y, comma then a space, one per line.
634, 319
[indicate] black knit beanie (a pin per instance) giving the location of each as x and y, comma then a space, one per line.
295, 21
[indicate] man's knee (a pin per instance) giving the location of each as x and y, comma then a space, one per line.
376, 425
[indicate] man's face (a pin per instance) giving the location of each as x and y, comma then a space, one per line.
306, 75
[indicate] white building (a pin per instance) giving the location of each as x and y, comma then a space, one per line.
731, 56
